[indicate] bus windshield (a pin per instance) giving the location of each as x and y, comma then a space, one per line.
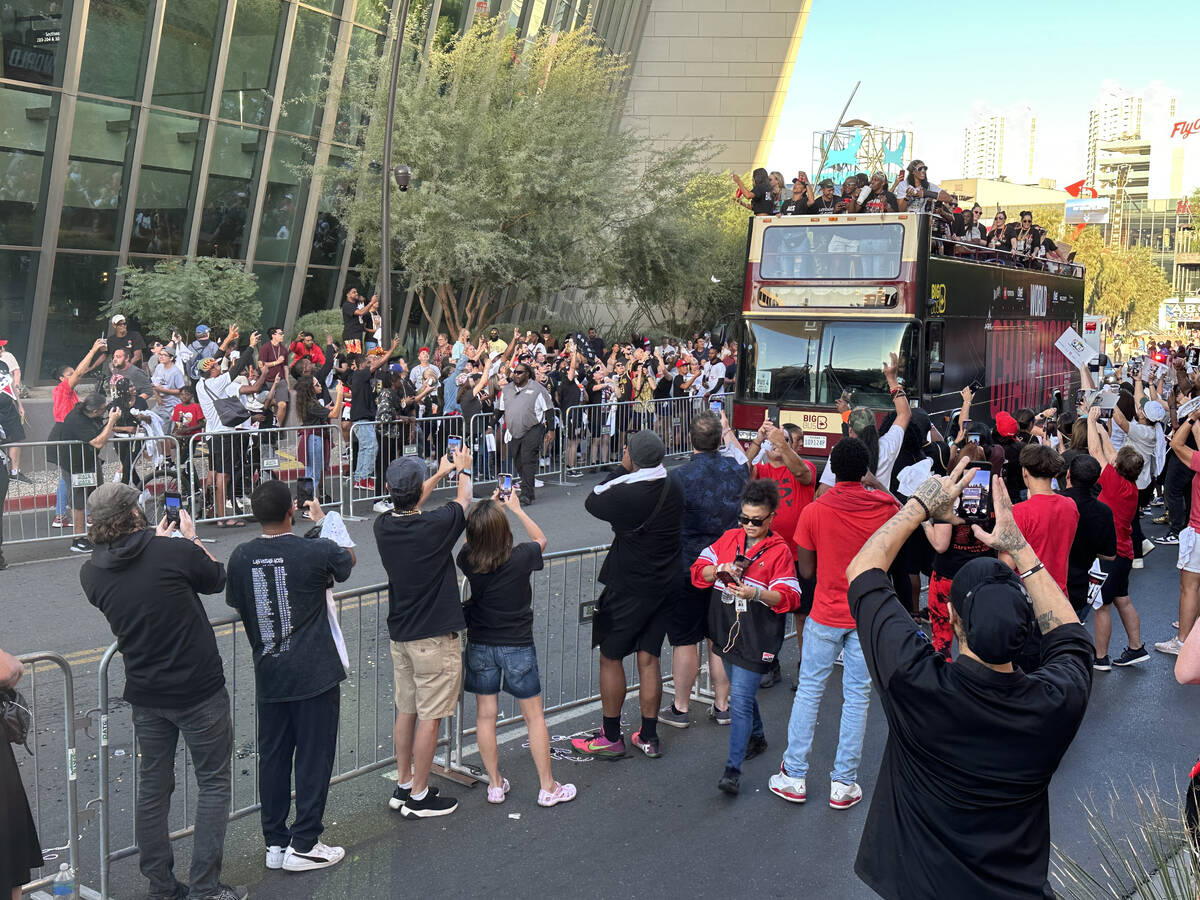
797, 361
845, 251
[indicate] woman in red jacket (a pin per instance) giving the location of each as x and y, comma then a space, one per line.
757, 580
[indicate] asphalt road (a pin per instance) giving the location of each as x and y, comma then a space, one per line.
638, 825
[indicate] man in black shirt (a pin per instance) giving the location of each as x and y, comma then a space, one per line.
425, 619
119, 337
353, 310
961, 806
828, 201
91, 423
1095, 535
362, 409
645, 509
278, 585
147, 585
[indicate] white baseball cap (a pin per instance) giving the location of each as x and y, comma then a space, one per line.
118, 319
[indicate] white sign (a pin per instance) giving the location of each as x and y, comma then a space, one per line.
83, 479
814, 442
269, 462
1074, 347
1186, 409
762, 382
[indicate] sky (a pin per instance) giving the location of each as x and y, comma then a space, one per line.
923, 65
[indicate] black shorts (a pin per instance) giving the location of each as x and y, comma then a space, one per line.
808, 587
688, 621
623, 624
77, 496
1117, 583
224, 449
10, 421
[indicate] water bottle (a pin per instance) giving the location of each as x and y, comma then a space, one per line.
64, 881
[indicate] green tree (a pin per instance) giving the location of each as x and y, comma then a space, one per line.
177, 296
523, 185
1118, 283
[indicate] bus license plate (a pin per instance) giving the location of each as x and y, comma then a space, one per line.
814, 442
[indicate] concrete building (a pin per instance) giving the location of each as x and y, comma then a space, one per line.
993, 194
137, 131
1122, 115
716, 69
1000, 143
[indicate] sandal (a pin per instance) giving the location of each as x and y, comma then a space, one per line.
231, 523
496, 794
561, 794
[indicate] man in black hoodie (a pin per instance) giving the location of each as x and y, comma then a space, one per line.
147, 585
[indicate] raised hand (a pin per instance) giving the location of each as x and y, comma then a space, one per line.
939, 494
1006, 535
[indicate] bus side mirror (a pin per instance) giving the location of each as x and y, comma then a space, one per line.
937, 372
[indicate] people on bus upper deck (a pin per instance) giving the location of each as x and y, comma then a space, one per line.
849, 192
875, 197
914, 185
761, 202
828, 201
777, 189
802, 195
1026, 238
967, 229
997, 235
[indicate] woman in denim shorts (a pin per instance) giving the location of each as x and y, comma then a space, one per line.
500, 653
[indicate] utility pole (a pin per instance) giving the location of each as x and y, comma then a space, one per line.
385, 233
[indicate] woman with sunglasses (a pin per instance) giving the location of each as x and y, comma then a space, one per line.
915, 187
755, 573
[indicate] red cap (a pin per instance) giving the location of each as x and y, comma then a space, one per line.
681, 365
2, 343
423, 350
1006, 425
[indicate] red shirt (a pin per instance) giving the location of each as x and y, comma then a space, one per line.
299, 351
1048, 522
835, 526
1120, 496
65, 398
187, 417
793, 497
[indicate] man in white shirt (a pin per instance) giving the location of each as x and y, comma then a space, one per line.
417, 375
224, 444
714, 374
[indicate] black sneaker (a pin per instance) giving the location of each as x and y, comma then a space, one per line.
720, 716
228, 892
756, 746
429, 806
400, 794
668, 715
1132, 657
773, 677
82, 545
1167, 539
1102, 664
730, 782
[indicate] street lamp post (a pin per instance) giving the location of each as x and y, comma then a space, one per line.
385, 255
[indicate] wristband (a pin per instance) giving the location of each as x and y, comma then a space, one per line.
466, 472
897, 392
1038, 568
921, 503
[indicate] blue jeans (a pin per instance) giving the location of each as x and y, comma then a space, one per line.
314, 460
743, 704
821, 646
368, 447
60, 499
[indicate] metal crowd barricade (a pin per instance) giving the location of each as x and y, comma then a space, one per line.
426, 438
31, 507
64, 832
319, 452
490, 452
364, 735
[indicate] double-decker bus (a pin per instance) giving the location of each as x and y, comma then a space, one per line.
828, 298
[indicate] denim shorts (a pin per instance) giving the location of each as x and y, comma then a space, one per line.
487, 666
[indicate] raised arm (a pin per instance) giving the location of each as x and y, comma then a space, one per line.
86, 364
1099, 444
899, 398
1179, 439
531, 527
778, 438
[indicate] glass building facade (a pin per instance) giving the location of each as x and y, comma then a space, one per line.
133, 131
1165, 227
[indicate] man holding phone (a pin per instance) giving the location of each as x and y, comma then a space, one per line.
524, 403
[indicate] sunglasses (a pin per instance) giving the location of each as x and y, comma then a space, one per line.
922, 168
753, 520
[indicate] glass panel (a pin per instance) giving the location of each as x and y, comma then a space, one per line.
447, 25
311, 52
82, 284
372, 13
165, 186
535, 20
274, 285
319, 285
185, 54
18, 272
25, 119
514, 14
31, 31
91, 212
245, 97
843, 252
227, 202
112, 48
813, 361
283, 208
365, 46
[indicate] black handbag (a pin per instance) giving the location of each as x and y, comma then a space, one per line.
230, 410
15, 717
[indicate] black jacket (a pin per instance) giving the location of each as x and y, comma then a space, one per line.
147, 587
644, 558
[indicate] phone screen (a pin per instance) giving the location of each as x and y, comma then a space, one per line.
453, 444
973, 438
304, 491
976, 500
505, 482
172, 503
717, 406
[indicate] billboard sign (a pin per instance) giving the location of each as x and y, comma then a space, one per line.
1087, 211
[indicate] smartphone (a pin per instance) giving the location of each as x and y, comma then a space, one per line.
453, 445
773, 413
727, 578
976, 386
975, 504
717, 406
973, 438
172, 504
742, 562
305, 491
505, 482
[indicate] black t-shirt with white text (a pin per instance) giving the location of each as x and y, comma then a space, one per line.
500, 611
821, 205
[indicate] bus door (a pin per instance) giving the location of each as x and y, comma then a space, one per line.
935, 357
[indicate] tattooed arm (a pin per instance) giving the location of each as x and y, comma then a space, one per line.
937, 495
1050, 605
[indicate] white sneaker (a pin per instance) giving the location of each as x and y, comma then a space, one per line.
793, 790
1172, 646
1137, 564
842, 795
841, 658
321, 856
275, 857
382, 506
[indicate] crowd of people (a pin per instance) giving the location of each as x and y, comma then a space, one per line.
957, 229
224, 401
744, 535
